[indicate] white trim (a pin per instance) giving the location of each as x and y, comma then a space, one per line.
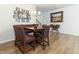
50, 31
6, 41
69, 33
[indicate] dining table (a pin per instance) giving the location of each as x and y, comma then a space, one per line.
35, 31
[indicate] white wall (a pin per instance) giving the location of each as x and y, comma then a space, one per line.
70, 24
7, 21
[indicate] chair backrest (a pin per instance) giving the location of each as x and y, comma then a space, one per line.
19, 33
22, 34
46, 30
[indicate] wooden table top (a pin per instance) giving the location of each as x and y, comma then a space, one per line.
32, 28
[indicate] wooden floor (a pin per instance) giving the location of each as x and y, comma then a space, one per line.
59, 44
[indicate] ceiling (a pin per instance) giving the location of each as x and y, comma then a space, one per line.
50, 7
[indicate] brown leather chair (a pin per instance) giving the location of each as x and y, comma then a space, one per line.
24, 38
43, 36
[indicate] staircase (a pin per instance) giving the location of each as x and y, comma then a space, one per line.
38, 22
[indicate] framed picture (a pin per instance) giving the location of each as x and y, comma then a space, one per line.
21, 14
56, 16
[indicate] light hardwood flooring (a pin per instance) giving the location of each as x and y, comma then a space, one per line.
59, 44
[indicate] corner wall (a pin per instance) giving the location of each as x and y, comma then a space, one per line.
7, 21
70, 23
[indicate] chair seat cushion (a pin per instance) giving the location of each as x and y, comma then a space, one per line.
29, 38
30, 33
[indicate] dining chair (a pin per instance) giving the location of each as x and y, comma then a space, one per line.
24, 38
43, 36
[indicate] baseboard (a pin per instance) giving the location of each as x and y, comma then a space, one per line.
50, 31
69, 34
6, 41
